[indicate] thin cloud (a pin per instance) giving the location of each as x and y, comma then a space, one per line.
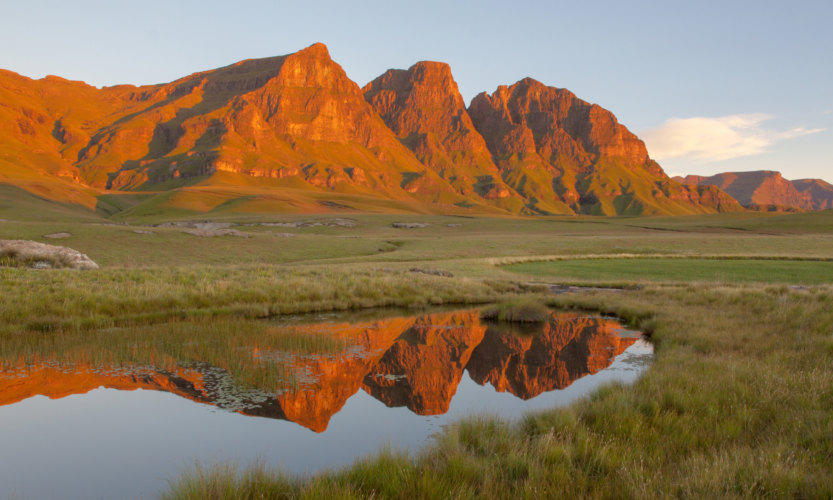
715, 139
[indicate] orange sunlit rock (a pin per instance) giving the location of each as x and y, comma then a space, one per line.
769, 191
298, 126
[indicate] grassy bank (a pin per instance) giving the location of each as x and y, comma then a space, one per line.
738, 404
44, 301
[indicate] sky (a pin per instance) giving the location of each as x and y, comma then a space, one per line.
711, 86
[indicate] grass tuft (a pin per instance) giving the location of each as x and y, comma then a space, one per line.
523, 310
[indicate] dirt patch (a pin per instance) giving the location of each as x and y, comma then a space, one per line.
207, 226
57, 235
432, 271
328, 222
208, 233
142, 232
562, 289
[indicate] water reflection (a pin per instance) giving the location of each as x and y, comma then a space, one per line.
110, 414
414, 362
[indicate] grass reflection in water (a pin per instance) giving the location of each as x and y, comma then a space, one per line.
306, 372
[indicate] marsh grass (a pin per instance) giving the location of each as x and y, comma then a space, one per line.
256, 354
522, 310
224, 480
43, 302
737, 404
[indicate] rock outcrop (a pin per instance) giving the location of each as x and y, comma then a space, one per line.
43, 256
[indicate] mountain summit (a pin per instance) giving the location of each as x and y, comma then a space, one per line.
294, 133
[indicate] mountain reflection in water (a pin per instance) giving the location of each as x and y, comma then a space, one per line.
413, 362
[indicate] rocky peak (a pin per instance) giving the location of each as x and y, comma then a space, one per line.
423, 107
530, 117
424, 99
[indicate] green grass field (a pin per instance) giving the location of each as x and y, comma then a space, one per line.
681, 270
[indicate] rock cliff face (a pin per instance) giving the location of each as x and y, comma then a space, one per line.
298, 122
424, 108
768, 190
567, 155
820, 193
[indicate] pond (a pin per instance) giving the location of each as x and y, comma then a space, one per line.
112, 414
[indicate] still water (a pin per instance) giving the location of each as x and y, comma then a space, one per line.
114, 414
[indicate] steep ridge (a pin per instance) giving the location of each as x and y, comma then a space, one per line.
296, 116
424, 108
566, 155
768, 190
298, 123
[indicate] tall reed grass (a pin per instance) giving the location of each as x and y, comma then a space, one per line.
49, 301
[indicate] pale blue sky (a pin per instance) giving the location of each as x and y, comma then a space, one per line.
757, 74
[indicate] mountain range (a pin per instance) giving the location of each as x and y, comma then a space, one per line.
294, 134
766, 190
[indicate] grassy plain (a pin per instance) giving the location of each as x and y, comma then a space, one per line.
736, 405
677, 270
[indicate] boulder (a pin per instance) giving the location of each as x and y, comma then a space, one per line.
43, 256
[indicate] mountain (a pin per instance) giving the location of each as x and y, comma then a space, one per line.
294, 133
820, 192
768, 190
567, 155
424, 108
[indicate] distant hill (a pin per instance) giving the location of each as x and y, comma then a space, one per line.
294, 133
768, 190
